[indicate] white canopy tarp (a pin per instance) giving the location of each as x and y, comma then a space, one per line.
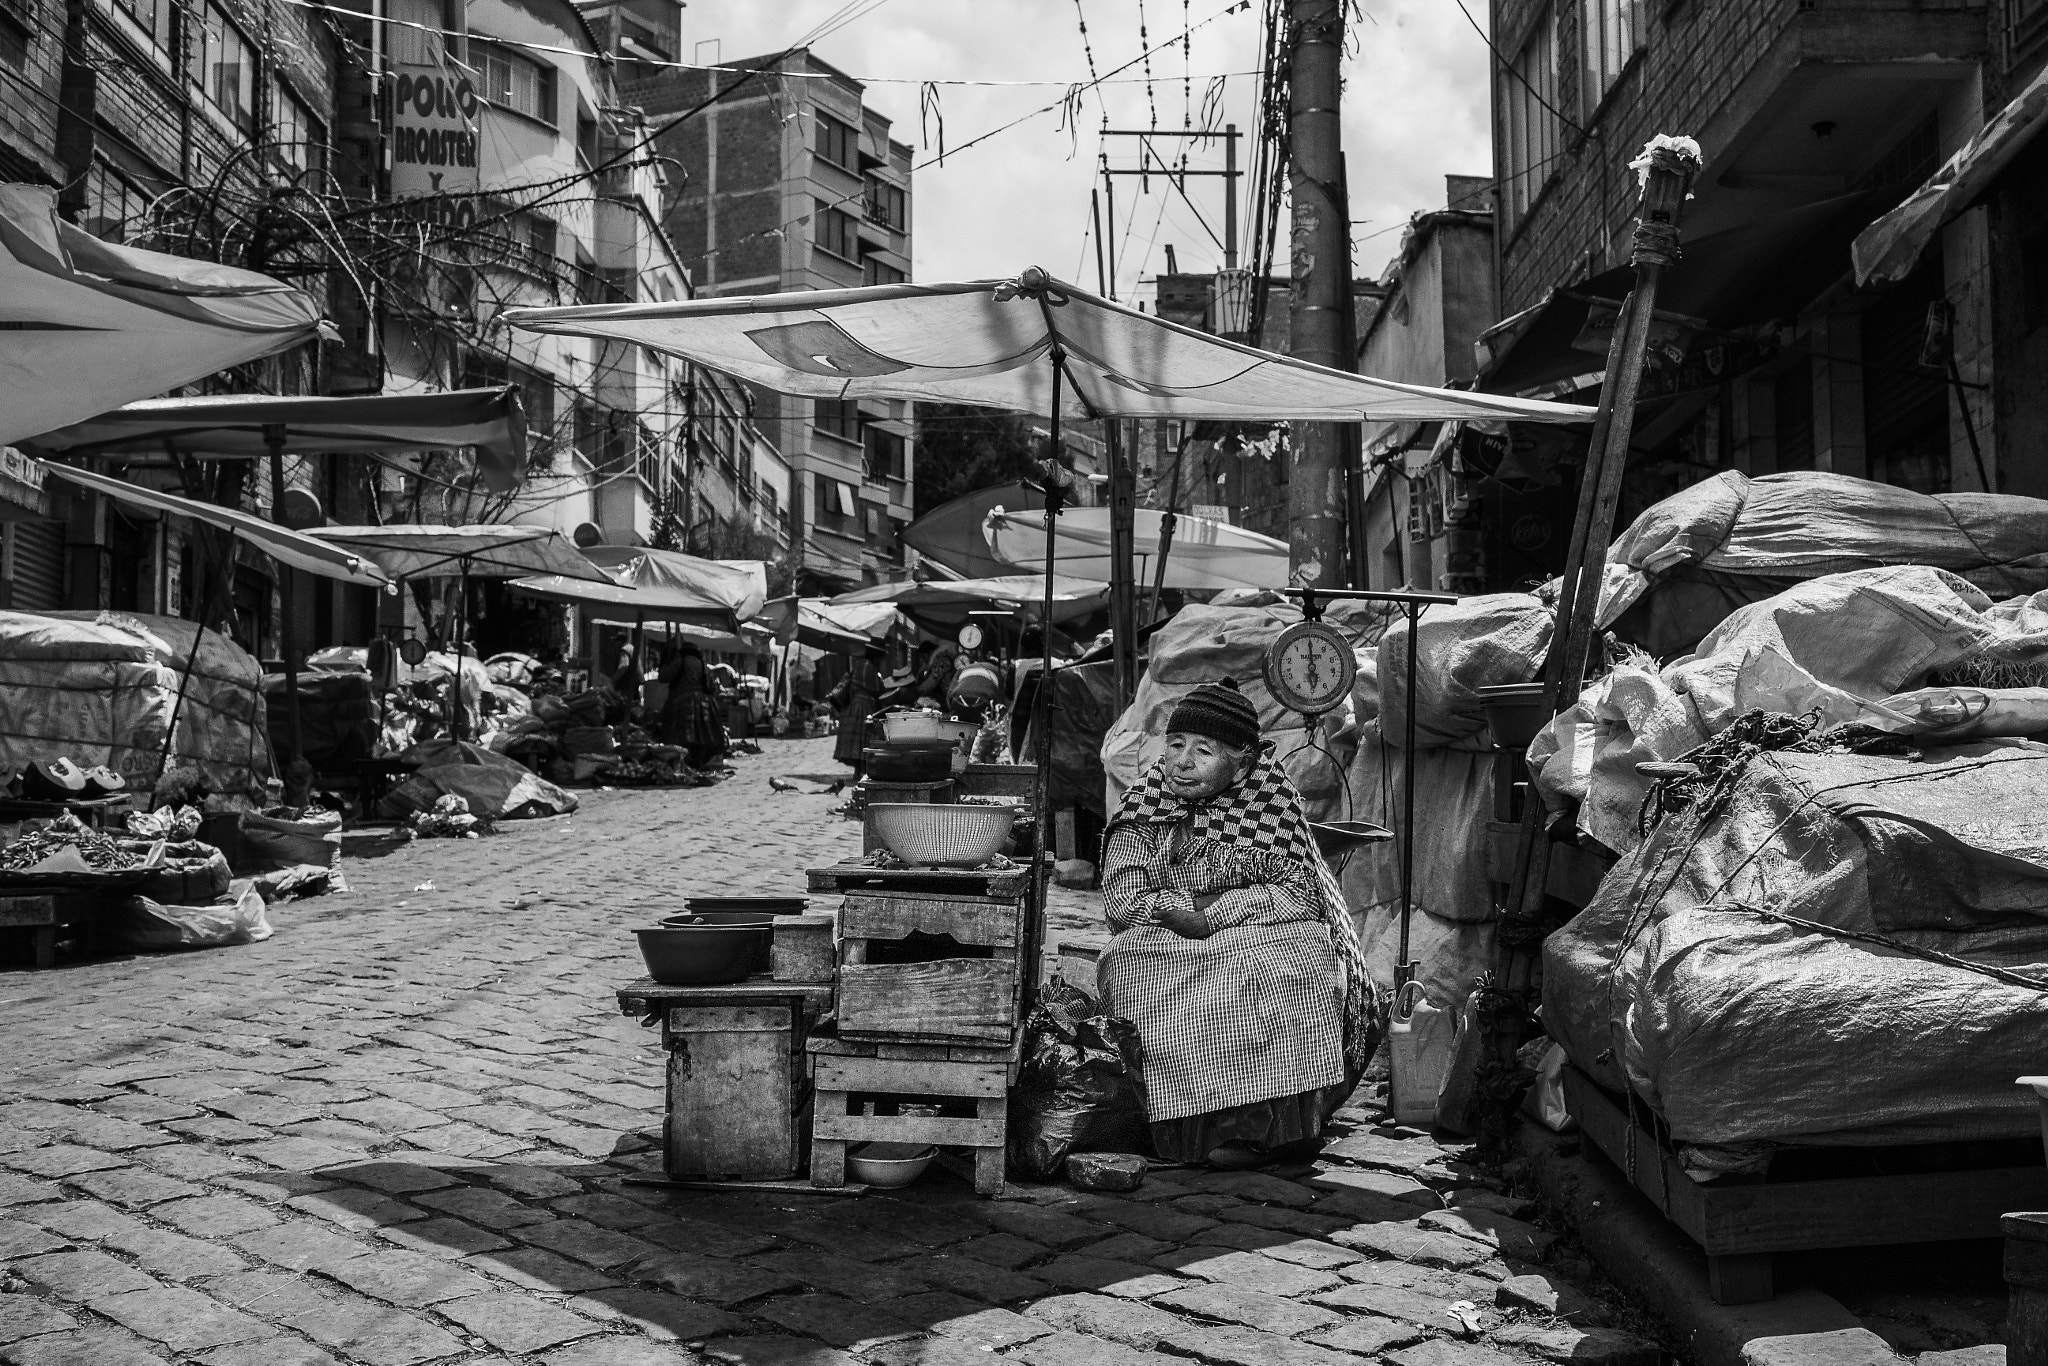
949, 601
87, 325
408, 550
988, 342
1206, 555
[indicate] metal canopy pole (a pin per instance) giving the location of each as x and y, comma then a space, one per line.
274, 438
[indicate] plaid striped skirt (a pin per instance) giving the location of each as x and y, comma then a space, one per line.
1248, 1014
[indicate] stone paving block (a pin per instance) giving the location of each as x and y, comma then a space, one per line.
181, 1319
302, 1154
394, 1178
282, 1350
1227, 1345
1366, 1336
659, 1315
833, 1318
56, 1160
1047, 1227
442, 1237
1289, 1220
1367, 1207
1407, 1304
1252, 1308
697, 1235
955, 1317
113, 1134
1843, 1347
214, 1129
134, 1187
518, 1323
707, 1278
586, 1242
1510, 1237
1592, 1346
82, 1275
174, 1256
512, 1120
1076, 1271
481, 1205
1444, 1352
1407, 1243
422, 1094
774, 1349
187, 1162
1402, 1156
1130, 1247
22, 1316
1005, 1250
935, 1350
1209, 1206
618, 1351
1309, 1252
272, 1294
863, 1281
1170, 1225
1103, 1316
1252, 1187
215, 1216
269, 1112
1540, 1294
300, 1245
535, 1183
607, 1211
922, 1224
1071, 1349
991, 1284
371, 1333
95, 1346
145, 1109
1480, 1197
352, 1208
1247, 1270
408, 1279
847, 1240
390, 1116
1988, 1354
1438, 1281
19, 1238
537, 1269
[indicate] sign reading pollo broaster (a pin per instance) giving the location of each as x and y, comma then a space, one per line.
433, 140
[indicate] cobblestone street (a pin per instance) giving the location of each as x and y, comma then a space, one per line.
395, 1133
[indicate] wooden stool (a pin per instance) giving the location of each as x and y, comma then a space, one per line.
37, 915
842, 1069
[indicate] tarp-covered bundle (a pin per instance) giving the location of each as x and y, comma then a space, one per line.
1690, 560
1861, 646
101, 688
1686, 981
1461, 647
494, 786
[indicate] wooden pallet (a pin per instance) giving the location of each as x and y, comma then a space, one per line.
1740, 1225
965, 987
843, 1070
860, 877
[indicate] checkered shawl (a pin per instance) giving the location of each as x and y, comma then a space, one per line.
1262, 815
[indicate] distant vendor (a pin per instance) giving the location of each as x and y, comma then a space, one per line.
1233, 953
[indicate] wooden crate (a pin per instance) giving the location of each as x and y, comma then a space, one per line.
999, 780
966, 882
963, 991
802, 949
847, 1077
1739, 1226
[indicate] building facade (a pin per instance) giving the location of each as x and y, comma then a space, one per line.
792, 183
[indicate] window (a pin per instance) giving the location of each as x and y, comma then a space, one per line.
1613, 32
414, 34
838, 417
586, 137
115, 210
885, 454
153, 17
836, 232
518, 84
771, 500
225, 69
888, 205
2025, 22
837, 143
835, 506
299, 140
875, 273
1529, 135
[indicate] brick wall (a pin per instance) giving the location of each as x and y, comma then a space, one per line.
32, 56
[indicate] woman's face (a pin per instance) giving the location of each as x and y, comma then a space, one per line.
1197, 767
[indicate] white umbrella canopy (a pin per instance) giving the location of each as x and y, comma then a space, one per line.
735, 587
491, 550
989, 342
1206, 555
87, 325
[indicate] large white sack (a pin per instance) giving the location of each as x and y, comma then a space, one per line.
1460, 647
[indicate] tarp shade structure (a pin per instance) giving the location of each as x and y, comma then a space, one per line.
731, 590
950, 534
821, 625
294, 548
987, 342
947, 602
408, 550
748, 640
239, 426
1886, 251
1206, 555
87, 325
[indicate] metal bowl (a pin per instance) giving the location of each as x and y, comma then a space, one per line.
704, 955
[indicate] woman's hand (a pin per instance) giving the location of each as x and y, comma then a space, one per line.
1188, 924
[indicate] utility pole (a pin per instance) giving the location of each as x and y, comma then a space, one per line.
1321, 253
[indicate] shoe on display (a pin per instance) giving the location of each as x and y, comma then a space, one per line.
104, 782
53, 780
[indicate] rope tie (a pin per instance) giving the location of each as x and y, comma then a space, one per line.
1655, 244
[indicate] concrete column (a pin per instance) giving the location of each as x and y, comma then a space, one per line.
1837, 343
1967, 283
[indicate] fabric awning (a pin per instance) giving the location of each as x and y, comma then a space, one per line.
87, 325
493, 550
1205, 555
659, 585
294, 548
947, 602
837, 629
989, 342
1886, 251
950, 534
240, 426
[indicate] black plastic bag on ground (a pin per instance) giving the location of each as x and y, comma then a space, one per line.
1078, 1090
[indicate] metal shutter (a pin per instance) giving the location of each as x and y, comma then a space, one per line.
37, 549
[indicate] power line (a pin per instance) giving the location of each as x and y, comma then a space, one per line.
1509, 67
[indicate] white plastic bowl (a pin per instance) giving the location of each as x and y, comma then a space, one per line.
890, 1171
942, 835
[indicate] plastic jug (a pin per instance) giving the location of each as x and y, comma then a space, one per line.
1419, 1045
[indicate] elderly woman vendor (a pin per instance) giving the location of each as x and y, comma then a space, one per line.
1234, 954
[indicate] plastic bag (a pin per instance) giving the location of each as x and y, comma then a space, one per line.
137, 922
1079, 1089
274, 840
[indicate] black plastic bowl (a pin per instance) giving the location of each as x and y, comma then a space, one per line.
704, 954
910, 763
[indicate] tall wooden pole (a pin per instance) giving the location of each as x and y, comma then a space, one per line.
1666, 169
1123, 587
274, 438
1321, 255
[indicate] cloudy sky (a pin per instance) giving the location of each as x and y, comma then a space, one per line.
1415, 110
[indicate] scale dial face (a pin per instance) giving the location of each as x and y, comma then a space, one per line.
1310, 668
970, 637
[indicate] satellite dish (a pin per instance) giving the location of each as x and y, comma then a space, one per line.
300, 509
587, 534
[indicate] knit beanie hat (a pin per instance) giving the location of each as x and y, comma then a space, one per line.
1219, 711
